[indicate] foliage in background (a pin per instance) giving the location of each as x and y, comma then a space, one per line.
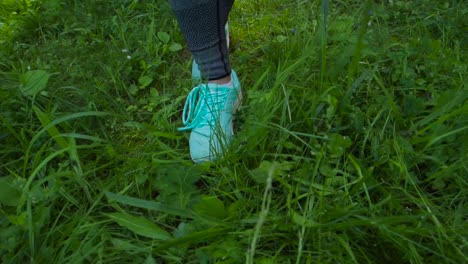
351, 146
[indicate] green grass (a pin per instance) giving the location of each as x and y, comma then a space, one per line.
351, 145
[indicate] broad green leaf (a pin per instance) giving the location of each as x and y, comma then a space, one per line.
150, 260
145, 81
154, 93
338, 144
52, 4
233, 209
11, 236
10, 191
281, 38
33, 82
140, 226
269, 169
175, 183
19, 220
133, 89
164, 37
211, 206
184, 229
175, 47
260, 174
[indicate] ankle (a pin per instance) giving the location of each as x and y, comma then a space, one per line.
222, 81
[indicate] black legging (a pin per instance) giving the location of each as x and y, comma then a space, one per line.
202, 22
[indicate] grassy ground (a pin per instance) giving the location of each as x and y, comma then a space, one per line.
351, 146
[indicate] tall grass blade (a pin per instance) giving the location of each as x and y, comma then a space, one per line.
140, 203
140, 226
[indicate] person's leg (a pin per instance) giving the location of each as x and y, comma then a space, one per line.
203, 25
208, 111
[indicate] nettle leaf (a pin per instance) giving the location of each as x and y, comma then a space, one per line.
140, 226
164, 37
10, 190
33, 82
211, 206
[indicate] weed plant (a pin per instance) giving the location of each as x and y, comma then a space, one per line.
351, 146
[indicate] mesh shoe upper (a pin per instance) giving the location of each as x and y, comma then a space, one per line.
208, 113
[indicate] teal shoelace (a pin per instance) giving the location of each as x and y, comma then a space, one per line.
202, 106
